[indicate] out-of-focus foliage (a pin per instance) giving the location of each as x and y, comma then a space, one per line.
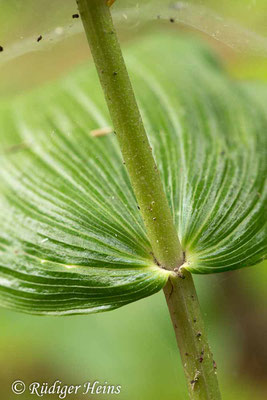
77, 349
238, 25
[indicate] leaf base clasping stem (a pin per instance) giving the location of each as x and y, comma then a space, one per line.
145, 179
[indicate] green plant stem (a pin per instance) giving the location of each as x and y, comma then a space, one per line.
179, 291
130, 131
197, 359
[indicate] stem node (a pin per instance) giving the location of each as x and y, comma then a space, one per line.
151, 199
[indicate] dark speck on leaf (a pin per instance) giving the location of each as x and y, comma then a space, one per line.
171, 20
39, 38
75, 16
198, 334
138, 207
1, 48
194, 320
201, 359
115, 73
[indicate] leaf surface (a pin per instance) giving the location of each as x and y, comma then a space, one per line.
72, 239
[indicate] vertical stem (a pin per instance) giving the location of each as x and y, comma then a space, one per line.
197, 359
179, 291
130, 132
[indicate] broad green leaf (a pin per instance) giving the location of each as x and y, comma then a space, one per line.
71, 238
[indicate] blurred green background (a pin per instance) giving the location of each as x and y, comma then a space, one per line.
134, 346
